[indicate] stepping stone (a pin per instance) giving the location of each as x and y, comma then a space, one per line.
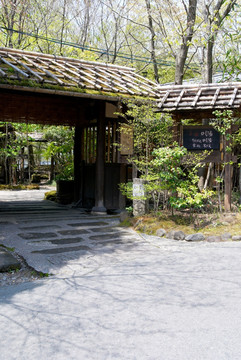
104, 229
117, 241
88, 224
40, 227
31, 236
57, 242
73, 232
6, 223
66, 241
8, 261
62, 250
105, 237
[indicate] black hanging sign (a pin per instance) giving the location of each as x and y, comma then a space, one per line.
201, 139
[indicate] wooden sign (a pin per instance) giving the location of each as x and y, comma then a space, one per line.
127, 146
201, 139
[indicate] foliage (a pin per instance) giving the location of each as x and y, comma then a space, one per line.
223, 123
148, 129
17, 144
140, 33
171, 181
168, 170
60, 148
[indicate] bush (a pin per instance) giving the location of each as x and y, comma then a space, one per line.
50, 195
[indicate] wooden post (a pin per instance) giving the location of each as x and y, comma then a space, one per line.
77, 162
176, 128
100, 162
227, 178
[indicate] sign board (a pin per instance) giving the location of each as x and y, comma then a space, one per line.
127, 146
201, 139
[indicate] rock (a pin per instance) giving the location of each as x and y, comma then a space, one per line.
236, 238
161, 232
176, 235
226, 236
214, 238
124, 215
195, 237
8, 261
229, 219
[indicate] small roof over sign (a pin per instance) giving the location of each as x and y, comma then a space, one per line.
199, 97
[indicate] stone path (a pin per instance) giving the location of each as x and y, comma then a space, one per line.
53, 238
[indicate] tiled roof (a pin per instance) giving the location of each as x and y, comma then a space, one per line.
43, 70
199, 97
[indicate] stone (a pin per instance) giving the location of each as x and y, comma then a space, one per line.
40, 227
32, 236
195, 237
229, 219
176, 235
103, 230
226, 236
161, 232
106, 237
124, 215
236, 238
140, 205
62, 250
73, 232
8, 261
214, 238
88, 224
66, 241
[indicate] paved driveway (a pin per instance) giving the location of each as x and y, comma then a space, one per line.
125, 296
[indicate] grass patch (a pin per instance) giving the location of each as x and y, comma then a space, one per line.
12, 249
208, 224
39, 274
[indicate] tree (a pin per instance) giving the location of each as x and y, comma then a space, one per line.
214, 15
14, 14
187, 35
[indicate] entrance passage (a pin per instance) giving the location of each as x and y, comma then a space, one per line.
56, 239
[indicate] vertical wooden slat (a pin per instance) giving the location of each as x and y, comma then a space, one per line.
108, 144
94, 143
114, 141
83, 145
86, 145
89, 140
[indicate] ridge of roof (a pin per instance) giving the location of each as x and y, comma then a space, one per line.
63, 58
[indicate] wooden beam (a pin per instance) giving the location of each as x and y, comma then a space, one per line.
227, 177
100, 162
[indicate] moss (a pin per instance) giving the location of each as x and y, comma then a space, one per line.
33, 84
208, 224
11, 249
50, 195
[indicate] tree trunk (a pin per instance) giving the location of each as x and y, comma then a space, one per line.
187, 37
153, 36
